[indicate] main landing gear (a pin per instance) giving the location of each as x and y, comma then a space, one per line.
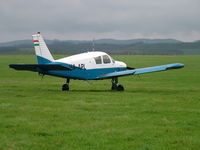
65, 87
116, 86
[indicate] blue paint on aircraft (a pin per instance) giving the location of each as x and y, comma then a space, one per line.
42, 60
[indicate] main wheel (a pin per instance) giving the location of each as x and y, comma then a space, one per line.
120, 88
65, 87
114, 87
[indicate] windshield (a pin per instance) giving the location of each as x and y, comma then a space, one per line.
106, 59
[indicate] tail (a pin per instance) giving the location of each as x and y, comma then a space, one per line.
41, 50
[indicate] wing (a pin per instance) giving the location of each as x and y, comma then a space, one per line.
142, 70
158, 68
38, 67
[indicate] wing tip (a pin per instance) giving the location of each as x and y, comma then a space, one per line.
176, 66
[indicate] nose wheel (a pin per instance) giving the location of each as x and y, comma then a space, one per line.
116, 86
65, 87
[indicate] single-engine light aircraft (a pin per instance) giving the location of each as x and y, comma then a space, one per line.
94, 65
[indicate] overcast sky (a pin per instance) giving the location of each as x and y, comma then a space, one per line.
88, 19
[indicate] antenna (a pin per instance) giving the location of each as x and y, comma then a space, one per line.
93, 44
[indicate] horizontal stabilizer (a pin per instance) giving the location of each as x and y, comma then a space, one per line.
38, 67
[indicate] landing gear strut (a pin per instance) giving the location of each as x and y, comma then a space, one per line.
116, 86
65, 87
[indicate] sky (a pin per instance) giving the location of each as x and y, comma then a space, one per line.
88, 19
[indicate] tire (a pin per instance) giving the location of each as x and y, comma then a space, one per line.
114, 87
65, 87
120, 88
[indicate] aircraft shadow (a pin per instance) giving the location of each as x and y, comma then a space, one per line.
91, 91
84, 91
167, 91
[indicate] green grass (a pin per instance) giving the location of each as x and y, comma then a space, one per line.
158, 111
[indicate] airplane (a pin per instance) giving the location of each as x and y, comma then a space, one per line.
93, 65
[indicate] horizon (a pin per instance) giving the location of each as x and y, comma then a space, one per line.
103, 38
1, 42
56, 39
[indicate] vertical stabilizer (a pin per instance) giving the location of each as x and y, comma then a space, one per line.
41, 50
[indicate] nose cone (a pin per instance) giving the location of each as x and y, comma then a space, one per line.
121, 64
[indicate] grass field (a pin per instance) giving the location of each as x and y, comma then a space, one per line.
158, 111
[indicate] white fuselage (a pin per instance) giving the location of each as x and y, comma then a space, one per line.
92, 60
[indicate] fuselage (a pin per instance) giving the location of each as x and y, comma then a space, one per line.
88, 66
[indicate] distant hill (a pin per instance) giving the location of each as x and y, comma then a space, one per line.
133, 41
112, 46
15, 43
100, 41
21, 42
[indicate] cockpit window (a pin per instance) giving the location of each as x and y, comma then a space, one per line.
106, 59
113, 60
98, 60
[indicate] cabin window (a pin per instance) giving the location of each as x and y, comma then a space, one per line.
106, 59
98, 60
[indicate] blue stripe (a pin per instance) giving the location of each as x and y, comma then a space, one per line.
42, 60
84, 74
